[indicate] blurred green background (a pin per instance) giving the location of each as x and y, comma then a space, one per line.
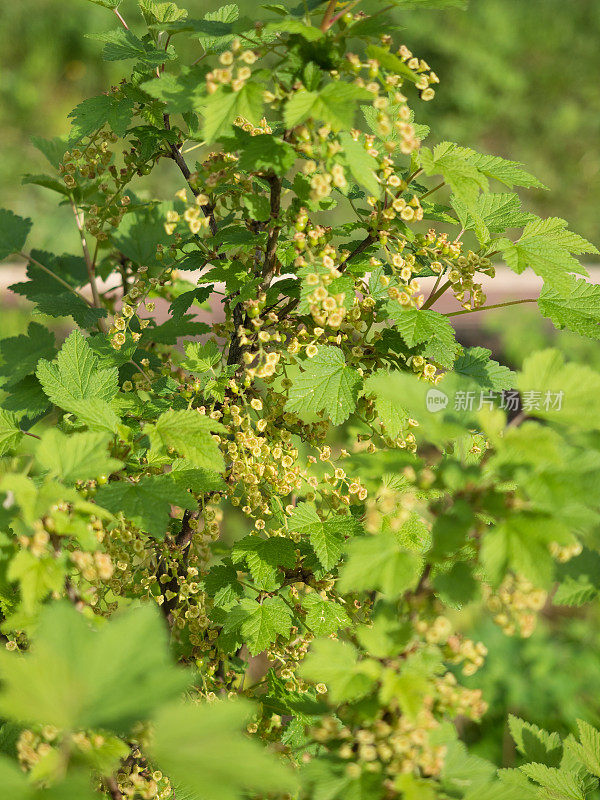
519, 78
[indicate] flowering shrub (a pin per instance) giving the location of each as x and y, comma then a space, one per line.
294, 501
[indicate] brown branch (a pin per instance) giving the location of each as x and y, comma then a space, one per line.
270, 262
329, 12
208, 209
113, 789
235, 348
360, 248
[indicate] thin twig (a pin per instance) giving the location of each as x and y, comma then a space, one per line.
329, 12
431, 191
112, 786
486, 308
435, 295
120, 18
56, 277
207, 210
88, 262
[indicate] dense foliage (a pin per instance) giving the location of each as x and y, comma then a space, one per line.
384, 476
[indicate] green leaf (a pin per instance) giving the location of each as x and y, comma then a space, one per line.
259, 623
155, 11
335, 104
74, 382
497, 212
391, 62
475, 363
107, 3
223, 106
535, 743
222, 584
199, 744
464, 178
258, 206
324, 617
37, 577
326, 537
575, 306
428, 327
510, 173
96, 112
264, 557
588, 752
327, 385
392, 569
217, 32
14, 231
548, 247
146, 503
182, 93
362, 164
122, 44
20, 354
75, 677
264, 152
336, 664
566, 394
78, 456
521, 543
559, 784
189, 433
200, 358
10, 432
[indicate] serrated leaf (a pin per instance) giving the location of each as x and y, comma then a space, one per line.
324, 617
336, 664
477, 364
326, 537
327, 385
510, 173
147, 502
10, 432
588, 751
96, 112
181, 93
535, 743
391, 62
424, 326
264, 557
122, 44
335, 104
392, 569
14, 231
200, 358
575, 306
221, 108
564, 393
74, 374
558, 784
260, 623
78, 456
548, 247
189, 433
361, 163
463, 178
